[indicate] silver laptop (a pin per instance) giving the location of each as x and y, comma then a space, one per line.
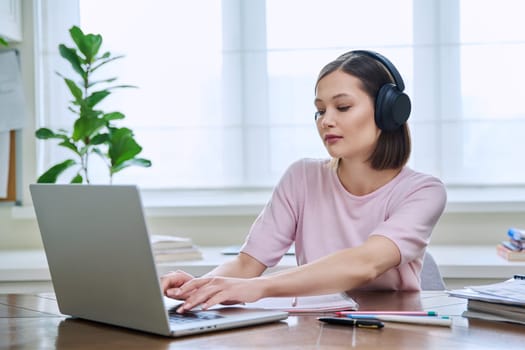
102, 267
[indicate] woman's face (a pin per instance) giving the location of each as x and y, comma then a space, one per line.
345, 117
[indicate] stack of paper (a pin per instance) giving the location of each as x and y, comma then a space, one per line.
503, 301
172, 248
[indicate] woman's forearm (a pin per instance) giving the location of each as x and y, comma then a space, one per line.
242, 266
341, 271
328, 275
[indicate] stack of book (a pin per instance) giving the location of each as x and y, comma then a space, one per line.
168, 249
513, 248
503, 301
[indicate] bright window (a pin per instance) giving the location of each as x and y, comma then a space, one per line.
225, 96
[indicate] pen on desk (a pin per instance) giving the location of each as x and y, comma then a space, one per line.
401, 313
368, 323
422, 320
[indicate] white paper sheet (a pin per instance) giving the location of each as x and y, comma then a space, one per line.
510, 289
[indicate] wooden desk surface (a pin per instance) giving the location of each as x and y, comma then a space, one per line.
34, 322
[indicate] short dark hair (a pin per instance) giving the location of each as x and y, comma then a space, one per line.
393, 147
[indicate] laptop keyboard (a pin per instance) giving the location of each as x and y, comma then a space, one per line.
177, 318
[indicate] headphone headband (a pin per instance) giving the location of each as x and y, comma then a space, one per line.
389, 66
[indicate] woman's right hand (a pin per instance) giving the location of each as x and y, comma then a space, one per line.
172, 281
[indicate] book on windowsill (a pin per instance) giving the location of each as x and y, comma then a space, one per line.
509, 254
178, 254
173, 248
159, 242
513, 249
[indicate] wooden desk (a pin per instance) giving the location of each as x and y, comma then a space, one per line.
34, 322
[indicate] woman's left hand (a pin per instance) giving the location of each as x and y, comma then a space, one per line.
210, 291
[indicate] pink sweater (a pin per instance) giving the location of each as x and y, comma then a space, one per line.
310, 207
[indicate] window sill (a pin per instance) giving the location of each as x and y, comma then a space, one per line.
485, 199
188, 203
454, 261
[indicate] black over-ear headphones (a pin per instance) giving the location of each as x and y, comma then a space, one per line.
392, 107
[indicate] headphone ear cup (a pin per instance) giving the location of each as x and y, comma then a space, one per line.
392, 108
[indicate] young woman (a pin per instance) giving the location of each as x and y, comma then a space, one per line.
361, 220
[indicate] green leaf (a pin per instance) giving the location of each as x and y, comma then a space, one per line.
97, 150
77, 179
92, 43
3, 42
106, 61
122, 87
75, 90
79, 83
83, 150
145, 163
73, 110
51, 175
93, 83
45, 133
71, 55
87, 44
88, 112
122, 146
99, 139
113, 116
96, 97
68, 144
142, 162
76, 34
84, 128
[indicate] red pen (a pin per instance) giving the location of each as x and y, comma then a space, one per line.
404, 313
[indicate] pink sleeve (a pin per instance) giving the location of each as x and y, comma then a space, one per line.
274, 230
413, 216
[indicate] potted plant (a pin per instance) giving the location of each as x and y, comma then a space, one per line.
93, 131
3, 42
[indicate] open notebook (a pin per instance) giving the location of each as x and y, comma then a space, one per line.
310, 304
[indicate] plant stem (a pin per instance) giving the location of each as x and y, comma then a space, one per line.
86, 80
86, 170
83, 164
85, 158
